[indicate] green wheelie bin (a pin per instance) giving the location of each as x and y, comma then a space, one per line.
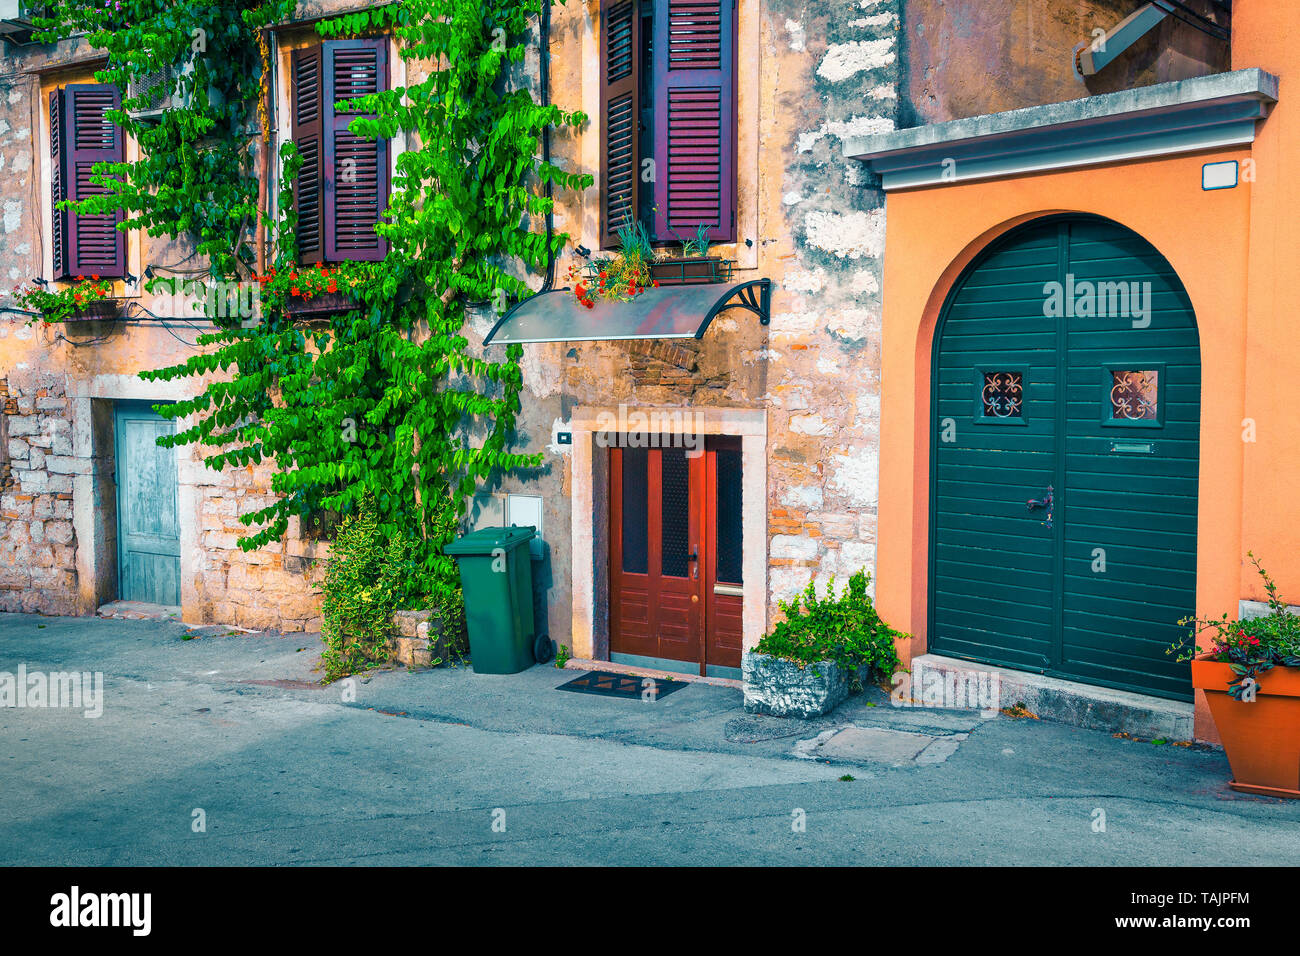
496, 576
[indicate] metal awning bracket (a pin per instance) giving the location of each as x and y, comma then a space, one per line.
753, 296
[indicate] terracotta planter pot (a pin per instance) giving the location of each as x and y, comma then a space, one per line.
1262, 738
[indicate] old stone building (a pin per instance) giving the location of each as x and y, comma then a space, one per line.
838, 170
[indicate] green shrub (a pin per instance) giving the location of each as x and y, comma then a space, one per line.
845, 629
449, 605
363, 581
374, 570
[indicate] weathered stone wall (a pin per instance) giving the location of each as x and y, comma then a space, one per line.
806, 222
276, 586
809, 220
38, 569
838, 70
58, 384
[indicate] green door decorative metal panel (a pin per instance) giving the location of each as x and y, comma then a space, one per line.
1066, 395
148, 529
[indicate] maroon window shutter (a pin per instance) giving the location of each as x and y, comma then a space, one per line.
619, 116
356, 168
695, 118
81, 135
58, 183
306, 126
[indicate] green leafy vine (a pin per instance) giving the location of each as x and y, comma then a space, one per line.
384, 402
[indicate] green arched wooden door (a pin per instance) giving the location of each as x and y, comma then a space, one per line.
1066, 398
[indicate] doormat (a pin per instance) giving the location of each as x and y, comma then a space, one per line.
630, 686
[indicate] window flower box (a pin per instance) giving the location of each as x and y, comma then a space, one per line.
85, 300
321, 305
691, 270
101, 310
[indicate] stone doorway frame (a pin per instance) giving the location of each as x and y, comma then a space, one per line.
94, 490
589, 531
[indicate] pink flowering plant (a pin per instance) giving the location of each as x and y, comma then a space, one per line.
1250, 646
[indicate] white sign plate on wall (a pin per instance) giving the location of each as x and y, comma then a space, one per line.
524, 511
1219, 175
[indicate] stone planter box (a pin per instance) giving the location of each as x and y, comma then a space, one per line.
785, 688
419, 640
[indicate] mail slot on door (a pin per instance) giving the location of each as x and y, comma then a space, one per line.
1132, 448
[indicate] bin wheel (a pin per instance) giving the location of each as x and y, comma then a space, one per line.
543, 648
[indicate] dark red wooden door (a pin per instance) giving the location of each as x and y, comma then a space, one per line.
655, 584
675, 555
722, 553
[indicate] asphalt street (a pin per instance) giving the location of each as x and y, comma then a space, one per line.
225, 749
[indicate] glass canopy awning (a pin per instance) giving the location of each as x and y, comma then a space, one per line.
668, 312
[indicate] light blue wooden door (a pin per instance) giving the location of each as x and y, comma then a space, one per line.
148, 529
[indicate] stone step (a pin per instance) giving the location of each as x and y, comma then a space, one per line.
1068, 702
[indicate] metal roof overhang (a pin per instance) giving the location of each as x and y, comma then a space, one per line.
668, 312
1207, 112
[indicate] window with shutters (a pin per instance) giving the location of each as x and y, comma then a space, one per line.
342, 186
668, 118
81, 135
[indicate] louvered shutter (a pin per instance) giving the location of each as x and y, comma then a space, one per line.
620, 106
306, 130
81, 135
695, 118
356, 168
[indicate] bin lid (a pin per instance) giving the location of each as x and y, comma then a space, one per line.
488, 540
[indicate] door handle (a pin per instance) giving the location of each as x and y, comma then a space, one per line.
1043, 502
694, 557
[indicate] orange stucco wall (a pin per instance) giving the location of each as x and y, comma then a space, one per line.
932, 234
1236, 253
1267, 35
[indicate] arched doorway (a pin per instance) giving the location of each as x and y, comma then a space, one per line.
1065, 392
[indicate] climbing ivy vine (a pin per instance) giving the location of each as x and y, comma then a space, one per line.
383, 403
194, 177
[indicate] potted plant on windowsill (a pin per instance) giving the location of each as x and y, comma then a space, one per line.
1251, 679
87, 300
621, 277
694, 265
825, 648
